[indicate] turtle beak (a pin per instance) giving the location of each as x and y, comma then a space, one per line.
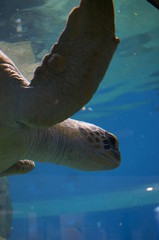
114, 156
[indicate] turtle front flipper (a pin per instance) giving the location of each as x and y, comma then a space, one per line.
21, 167
71, 73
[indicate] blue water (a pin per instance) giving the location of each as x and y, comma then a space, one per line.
59, 203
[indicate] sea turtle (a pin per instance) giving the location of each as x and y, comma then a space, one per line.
34, 121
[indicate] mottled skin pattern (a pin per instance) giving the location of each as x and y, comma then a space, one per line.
34, 120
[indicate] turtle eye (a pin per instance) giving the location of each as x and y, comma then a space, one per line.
112, 140
105, 141
106, 144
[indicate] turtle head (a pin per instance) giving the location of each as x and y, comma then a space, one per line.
74, 144
94, 149
106, 153
102, 152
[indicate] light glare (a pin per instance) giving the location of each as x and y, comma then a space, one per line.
149, 189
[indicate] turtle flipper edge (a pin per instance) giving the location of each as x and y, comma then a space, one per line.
21, 167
